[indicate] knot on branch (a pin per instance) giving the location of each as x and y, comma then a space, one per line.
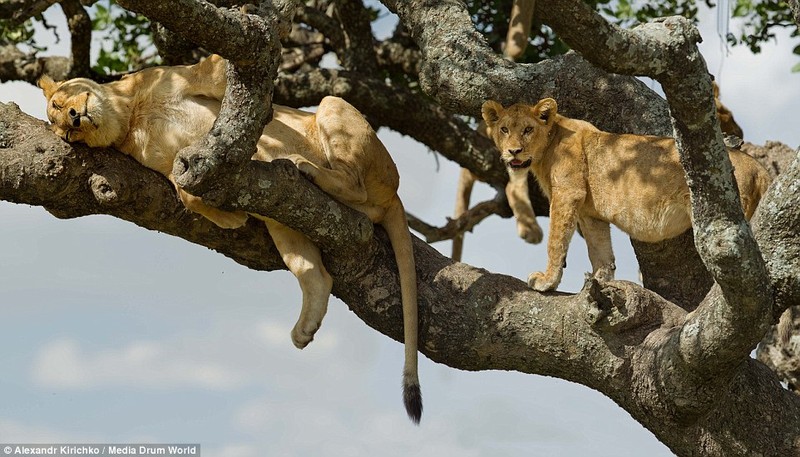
198, 164
105, 188
614, 306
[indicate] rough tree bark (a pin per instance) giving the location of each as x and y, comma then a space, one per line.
687, 378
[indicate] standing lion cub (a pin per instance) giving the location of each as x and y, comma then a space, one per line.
154, 113
594, 178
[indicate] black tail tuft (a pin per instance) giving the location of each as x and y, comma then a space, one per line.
412, 398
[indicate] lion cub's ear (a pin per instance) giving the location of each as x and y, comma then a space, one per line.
48, 86
545, 111
491, 111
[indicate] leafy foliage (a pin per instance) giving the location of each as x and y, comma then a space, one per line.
126, 42
126, 39
23, 33
759, 20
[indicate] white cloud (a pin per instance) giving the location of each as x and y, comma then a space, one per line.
64, 364
319, 430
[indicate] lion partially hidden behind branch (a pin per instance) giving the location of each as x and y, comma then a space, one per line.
154, 113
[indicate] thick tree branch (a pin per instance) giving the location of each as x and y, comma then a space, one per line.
609, 337
359, 45
172, 47
398, 58
80, 29
776, 225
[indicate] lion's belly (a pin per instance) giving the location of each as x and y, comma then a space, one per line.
162, 131
655, 224
650, 219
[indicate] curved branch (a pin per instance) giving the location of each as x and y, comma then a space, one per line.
464, 223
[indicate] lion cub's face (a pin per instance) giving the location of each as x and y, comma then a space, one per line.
520, 131
75, 109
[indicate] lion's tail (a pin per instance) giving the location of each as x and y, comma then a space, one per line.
396, 227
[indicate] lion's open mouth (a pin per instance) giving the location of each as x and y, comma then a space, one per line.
519, 164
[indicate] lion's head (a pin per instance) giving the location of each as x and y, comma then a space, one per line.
77, 109
520, 131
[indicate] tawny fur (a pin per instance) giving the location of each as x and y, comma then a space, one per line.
154, 113
595, 178
726, 121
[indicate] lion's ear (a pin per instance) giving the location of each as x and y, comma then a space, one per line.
48, 86
491, 111
545, 111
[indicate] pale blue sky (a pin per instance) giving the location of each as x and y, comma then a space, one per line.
111, 333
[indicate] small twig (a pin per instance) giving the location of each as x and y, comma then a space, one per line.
33, 9
465, 223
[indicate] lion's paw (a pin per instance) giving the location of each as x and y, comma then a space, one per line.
542, 282
605, 273
530, 232
304, 165
302, 335
227, 219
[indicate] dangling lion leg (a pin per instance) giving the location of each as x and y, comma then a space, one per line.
303, 259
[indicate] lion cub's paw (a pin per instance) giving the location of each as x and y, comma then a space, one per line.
530, 232
543, 282
301, 336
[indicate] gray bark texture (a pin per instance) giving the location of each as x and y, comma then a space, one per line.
687, 377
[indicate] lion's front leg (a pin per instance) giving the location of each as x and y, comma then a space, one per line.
519, 201
304, 260
563, 220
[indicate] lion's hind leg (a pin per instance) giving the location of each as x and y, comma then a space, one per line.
349, 145
598, 241
303, 259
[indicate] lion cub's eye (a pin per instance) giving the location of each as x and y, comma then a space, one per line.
504, 130
55, 106
527, 130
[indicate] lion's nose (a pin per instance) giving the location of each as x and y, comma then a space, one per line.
76, 119
514, 152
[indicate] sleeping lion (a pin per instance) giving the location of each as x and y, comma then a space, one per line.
595, 178
152, 114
